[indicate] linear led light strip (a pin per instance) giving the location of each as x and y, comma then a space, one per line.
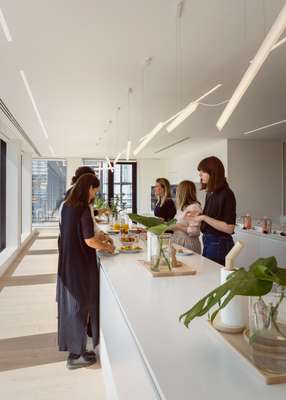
265, 127
117, 158
30, 94
271, 39
187, 111
278, 44
147, 138
282, 41
128, 150
52, 150
109, 163
4, 26
177, 120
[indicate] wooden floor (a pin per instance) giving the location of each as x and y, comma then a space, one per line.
30, 365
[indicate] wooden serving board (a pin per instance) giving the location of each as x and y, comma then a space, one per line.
239, 343
180, 271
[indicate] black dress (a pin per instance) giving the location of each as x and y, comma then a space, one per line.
167, 211
78, 281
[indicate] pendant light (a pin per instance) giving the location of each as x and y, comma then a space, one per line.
128, 149
271, 39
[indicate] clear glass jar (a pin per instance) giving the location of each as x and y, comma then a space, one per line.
161, 258
267, 330
266, 225
116, 222
247, 221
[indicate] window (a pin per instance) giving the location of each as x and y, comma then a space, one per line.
121, 183
48, 189
3, 154
100, 169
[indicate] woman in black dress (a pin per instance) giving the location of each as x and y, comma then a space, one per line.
219, 214
165, 207
78, 274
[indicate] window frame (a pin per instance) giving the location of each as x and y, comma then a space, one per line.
133, 184
3, 191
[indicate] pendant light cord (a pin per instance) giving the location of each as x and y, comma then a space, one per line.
215, 104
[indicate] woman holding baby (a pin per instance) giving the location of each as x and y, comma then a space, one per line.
216, 221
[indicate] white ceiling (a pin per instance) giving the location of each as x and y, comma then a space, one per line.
80, 58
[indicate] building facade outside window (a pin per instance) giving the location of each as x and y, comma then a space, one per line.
121, 184
48, 189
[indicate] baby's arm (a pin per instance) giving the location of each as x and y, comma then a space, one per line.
193, 210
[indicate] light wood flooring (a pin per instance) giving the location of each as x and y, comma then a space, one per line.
31, 367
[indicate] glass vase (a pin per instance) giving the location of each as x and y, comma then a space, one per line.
267, 330
161, 259
116, 223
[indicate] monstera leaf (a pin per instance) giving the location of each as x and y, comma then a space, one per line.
146, 221
154, 225
257, 281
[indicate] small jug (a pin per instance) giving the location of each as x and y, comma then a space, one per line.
266, 225
247, 223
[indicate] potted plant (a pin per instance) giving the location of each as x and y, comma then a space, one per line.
163, 254
99, 202
265, 283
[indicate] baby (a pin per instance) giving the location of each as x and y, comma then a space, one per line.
186, 218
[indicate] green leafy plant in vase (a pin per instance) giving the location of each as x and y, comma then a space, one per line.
265, 283
115, 206
159, 228
99, 202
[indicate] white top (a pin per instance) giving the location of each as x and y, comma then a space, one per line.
193, 227
185, 364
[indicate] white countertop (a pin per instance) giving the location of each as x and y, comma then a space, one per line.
192, 363
258, 232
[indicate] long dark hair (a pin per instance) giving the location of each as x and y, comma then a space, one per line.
214, 167
79, 195
81, 171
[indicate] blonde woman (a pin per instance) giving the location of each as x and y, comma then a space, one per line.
187, 230
165, 207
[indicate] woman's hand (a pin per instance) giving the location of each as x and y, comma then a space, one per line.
193, 216
104, 245
108, 247
199, 218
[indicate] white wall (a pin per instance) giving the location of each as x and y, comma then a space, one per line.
255, 175
72, 165
147, 172
184, 166
175, 168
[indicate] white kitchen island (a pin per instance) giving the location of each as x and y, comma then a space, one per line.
146, 353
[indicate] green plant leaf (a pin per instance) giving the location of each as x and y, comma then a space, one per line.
258, 281
281, 273
146, 221
159, 229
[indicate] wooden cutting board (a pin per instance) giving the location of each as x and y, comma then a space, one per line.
239, 343
180, 271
